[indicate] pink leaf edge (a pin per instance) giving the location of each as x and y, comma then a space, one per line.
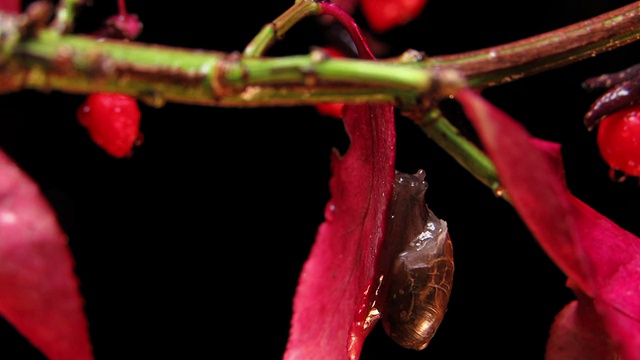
334, 294
39, 292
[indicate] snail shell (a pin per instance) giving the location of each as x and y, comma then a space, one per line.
416, 264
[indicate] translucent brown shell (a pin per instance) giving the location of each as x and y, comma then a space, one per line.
417, 266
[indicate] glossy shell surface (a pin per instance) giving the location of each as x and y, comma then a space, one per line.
417, 266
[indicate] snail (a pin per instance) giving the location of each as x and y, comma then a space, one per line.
416, 266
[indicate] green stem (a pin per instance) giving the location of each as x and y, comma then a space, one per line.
467, 154
83, 64
80, 64
274, 30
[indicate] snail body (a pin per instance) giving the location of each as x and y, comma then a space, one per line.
417, 266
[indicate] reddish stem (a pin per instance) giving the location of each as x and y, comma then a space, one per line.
122, 8
350, 25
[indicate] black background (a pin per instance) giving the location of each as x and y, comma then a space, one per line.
191, 248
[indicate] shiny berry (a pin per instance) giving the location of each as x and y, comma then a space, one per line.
331, 109
619, 140
113, 121
384, 14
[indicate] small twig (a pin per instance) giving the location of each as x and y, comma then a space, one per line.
66, 11
274, 30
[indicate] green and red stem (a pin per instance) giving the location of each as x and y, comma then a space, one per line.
51, 60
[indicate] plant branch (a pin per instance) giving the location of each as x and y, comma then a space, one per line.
81, 64
467, 154
505, 63
45, 59
85, 64
500, 64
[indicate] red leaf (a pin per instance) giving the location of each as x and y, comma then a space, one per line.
38, 290
578, 333
333, 298
613, 261
599, 256
11, 6
539, 196
386, 14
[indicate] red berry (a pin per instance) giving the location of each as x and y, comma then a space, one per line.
619, 140
384, 14
113, 121
330, 109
